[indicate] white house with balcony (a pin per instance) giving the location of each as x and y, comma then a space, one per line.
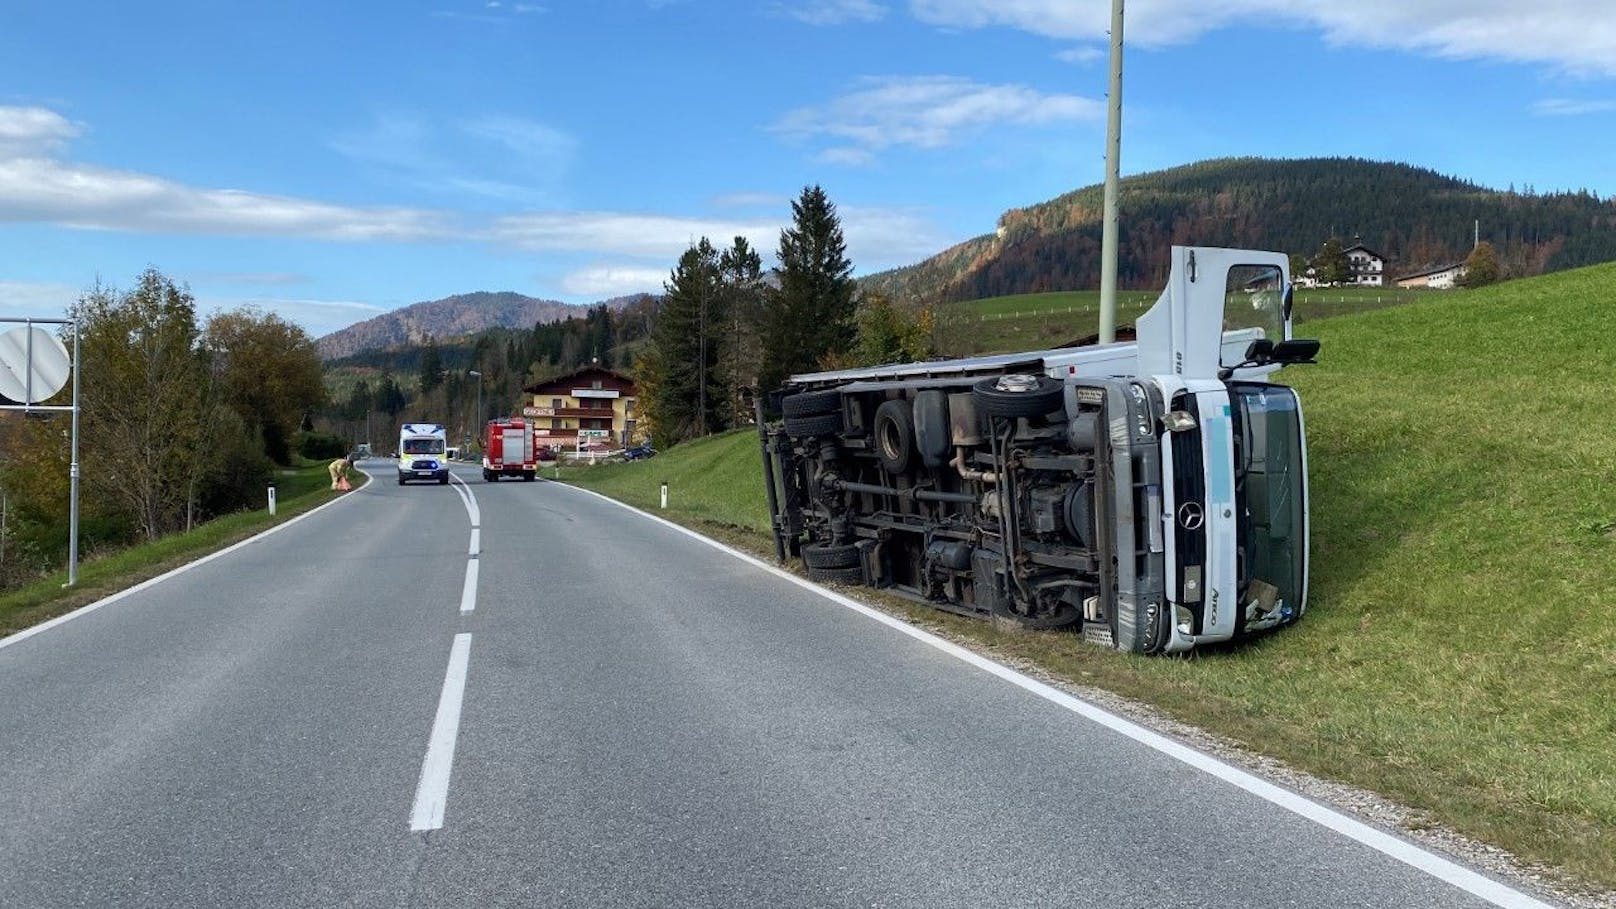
1368, 267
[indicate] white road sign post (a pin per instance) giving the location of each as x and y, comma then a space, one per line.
34, 366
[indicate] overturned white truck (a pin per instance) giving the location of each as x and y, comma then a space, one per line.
1150, 494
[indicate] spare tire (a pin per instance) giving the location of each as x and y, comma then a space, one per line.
1019, 395
845, 556
894, 435
811, 403
851, 577
824, 424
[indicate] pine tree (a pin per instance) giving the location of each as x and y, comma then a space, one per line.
811, 315
689, 396
740, 275
1331, 266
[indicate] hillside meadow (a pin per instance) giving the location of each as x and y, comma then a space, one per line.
1459, 650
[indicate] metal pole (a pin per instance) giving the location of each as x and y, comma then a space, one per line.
1113, 156
73, 474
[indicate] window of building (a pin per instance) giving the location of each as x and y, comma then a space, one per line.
556, 402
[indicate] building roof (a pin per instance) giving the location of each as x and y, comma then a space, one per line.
1429, 271
572, 379
1357, 246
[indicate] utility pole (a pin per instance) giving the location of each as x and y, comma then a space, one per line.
474, 427
1113, 179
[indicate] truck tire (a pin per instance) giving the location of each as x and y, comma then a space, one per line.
527, 476
831, 556
1028, 396
811, 403
851, 577
818, 425
401, 479
894, 435
443, 480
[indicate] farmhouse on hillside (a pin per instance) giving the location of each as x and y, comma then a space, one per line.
1368, 267
1444, 277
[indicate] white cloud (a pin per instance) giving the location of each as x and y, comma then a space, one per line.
317, 317
1577, 35
834, 12
36, 299
1084, 54
84, 196
33, 131
623, 234
752, 200
614, 280
927, 112
1572, 107
467, 157
846, 156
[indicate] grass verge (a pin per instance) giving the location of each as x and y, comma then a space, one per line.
296, 491
1458, 655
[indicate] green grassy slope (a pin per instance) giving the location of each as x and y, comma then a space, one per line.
1459, 652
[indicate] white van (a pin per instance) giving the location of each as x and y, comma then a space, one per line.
423, 453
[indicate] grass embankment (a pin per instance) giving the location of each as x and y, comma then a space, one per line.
296, 491
1459, 652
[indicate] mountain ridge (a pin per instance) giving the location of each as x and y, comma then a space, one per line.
454, 316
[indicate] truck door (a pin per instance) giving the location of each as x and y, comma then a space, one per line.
1217, 301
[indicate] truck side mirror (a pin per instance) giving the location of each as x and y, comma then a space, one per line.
1289, 304
1260, 351
1296, 350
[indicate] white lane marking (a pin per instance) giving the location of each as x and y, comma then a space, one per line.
1443, 869
468, 592
432, 791
467, 498
108, 600
476, 542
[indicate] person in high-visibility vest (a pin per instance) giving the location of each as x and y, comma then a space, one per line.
339, 472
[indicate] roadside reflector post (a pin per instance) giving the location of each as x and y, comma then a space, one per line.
664, 494
272, 501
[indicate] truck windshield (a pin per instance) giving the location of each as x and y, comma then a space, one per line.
1271, 479
423, 446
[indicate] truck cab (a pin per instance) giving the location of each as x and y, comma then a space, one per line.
423, 453
1151, 495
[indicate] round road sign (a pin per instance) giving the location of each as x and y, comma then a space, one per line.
33, 365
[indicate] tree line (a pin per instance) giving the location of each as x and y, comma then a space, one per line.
180, 421
726, 331
1412, 216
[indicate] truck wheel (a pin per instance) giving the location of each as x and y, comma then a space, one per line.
811, 403
818, 425
401, 479
527, 476
851, 577
1019, 395
894, 435
830, 556
443, 480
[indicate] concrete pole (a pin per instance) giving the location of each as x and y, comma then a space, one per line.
73, 474
1113, 156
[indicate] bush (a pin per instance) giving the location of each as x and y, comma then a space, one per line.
321, 446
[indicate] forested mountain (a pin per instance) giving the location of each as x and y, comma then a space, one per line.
1412, 216
452, 317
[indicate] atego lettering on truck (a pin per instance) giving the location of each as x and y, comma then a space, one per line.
1150, 494
423, 453
508, 450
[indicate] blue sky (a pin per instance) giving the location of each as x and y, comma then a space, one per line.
332, 161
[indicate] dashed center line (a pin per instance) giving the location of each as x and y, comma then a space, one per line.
432, 791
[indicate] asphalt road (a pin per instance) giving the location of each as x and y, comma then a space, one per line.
640, 720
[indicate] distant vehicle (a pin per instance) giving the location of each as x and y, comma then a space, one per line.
423, 453
362, 450
452, 453
639, 452
544, 453
508, 450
